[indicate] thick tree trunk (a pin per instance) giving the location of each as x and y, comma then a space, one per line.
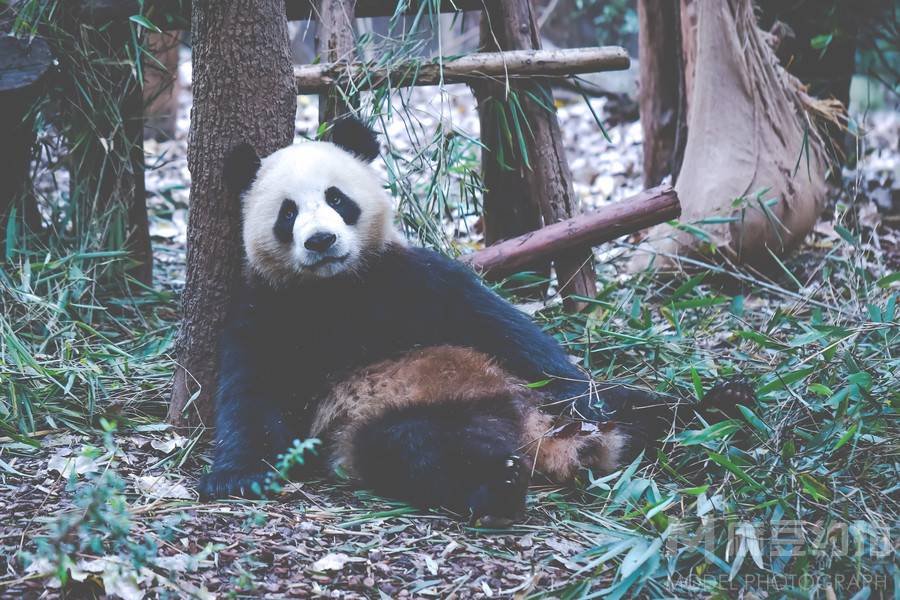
661, 82
748, 122
243, 92
520, 196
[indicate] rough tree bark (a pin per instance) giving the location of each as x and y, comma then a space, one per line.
540, 193
244, 91
661, 82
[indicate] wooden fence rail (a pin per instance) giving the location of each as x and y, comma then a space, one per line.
103, 11
321, 78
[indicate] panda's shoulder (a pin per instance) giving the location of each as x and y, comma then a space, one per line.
418, 265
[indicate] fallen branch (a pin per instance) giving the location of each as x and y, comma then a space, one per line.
315, 79
651, 207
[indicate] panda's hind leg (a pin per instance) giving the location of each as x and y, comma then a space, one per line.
462, 455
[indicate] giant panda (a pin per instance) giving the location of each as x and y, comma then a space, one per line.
412, 372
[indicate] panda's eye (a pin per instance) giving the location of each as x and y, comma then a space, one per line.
334, 197
288, 211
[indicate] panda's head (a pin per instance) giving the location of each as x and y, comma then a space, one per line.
312, 210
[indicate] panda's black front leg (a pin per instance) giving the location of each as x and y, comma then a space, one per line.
252, 424
249, 436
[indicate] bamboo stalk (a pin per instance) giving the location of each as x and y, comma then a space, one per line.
643, 210
315, 79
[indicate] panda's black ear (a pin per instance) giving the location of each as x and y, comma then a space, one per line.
241, 165
356, 138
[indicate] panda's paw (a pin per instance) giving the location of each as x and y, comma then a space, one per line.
726, 394
224, 484
500, 499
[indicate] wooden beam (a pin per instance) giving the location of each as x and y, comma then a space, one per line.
179, 11
315, 79
646, 209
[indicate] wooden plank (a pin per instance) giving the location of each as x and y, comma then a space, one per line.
643, 210
314, 79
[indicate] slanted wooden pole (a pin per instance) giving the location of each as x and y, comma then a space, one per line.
522, 195
315, 79
646, 209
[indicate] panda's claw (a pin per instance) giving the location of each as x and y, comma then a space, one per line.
513, 467
224, 484
500, 500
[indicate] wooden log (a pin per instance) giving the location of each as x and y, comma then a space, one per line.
314, 79
176, 14
650, 207
542, 181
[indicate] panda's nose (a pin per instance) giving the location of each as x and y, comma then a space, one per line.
320, 241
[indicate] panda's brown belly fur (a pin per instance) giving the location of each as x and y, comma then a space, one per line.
448, 374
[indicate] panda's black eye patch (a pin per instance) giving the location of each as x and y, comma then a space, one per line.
284, 225
342, 205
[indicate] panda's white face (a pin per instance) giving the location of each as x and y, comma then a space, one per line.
314, 211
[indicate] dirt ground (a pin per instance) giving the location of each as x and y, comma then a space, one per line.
317, 539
